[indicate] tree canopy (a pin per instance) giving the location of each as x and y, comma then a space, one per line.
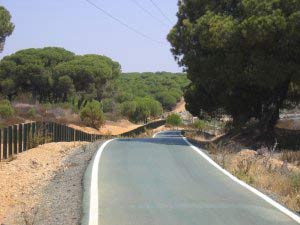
6, 26
89, 73
167, 88
141, 109
55, 74
242, 56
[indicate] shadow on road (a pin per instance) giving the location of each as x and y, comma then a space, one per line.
166, 138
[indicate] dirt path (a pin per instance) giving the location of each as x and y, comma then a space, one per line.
180, 107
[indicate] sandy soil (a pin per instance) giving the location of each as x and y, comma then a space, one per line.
109, 128
180, 107
23, 179
116, 128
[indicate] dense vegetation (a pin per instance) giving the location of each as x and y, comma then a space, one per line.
167, 88
6, 26
55, 75
92, 115
242, 57
174, 120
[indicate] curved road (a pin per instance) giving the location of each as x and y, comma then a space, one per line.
163, 181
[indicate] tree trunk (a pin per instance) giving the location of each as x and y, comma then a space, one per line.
270, 114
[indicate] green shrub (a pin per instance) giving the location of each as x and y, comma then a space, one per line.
295, 182
141, 109
199, 125
108, 105
128, 108
167, 100
92, 115
6, 109
142, 112
154, 106
174, 120
31, 112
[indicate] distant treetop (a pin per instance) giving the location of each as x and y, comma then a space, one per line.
6, 26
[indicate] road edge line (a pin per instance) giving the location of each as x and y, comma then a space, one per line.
247, 186
161, 132
94, 199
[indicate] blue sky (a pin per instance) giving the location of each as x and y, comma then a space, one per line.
79, 27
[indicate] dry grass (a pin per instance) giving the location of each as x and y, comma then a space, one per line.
289, 124
276, 174
291, 157
275, 177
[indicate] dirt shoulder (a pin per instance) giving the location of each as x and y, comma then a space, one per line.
44, 185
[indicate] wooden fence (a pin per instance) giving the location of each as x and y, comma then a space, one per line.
22, 137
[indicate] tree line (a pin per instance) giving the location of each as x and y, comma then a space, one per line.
55, 75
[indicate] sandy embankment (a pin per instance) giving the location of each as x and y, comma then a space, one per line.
25, 197
109, 128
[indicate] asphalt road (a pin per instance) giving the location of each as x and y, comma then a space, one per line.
163, 181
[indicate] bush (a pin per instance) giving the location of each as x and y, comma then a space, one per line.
141, 113
295, 182
167, 100
128, 108
141, 109
174, 120
154, 108
92, 114
31, 112
6, 109
107, 105
199, 125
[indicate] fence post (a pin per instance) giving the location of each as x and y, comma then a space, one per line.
44, 132
25, 137
21, 138
65, 132
33, 130
70, 134
29, 130
5, 143
15, 131
56, 131
50, 128
62, 132
10, 141
1, 152
59, 132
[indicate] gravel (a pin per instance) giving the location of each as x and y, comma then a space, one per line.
62, 200
52, 190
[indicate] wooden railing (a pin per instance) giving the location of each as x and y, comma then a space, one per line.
22, 137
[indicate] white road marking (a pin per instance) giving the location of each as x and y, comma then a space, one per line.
94, 198
162, 132
242, 183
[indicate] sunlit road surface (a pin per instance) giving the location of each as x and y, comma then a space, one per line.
163, 181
